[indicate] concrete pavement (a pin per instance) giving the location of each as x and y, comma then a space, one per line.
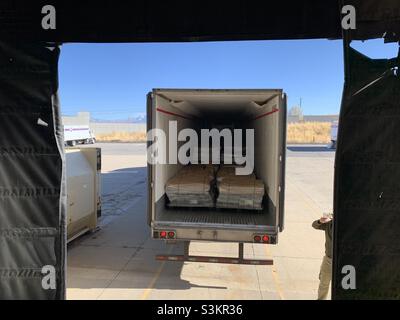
118, 262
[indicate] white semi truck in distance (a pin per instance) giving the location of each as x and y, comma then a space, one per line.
74, 135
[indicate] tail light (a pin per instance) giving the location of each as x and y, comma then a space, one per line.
262, 238
171, 234
163, 234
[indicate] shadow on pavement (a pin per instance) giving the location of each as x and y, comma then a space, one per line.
318, 148
122, 254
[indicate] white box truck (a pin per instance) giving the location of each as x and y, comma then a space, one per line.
264, 111
74, 135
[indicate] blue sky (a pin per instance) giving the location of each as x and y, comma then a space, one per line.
112, 80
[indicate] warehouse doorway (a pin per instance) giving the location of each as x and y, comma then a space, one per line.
124, 244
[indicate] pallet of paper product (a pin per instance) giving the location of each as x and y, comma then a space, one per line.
192, 187
229, 171
239, 192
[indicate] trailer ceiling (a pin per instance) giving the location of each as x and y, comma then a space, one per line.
171, 21
214, 103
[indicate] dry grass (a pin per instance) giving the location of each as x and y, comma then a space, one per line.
303, 132
309, 132
122, 137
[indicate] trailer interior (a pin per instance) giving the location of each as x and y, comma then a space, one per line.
261, 110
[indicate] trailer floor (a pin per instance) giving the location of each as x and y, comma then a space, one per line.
221, 216
118, 262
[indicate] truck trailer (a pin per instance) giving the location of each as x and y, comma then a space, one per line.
264, 111
83, 171
74, 135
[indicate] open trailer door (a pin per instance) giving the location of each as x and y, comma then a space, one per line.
32, 193
149, 126
282, 160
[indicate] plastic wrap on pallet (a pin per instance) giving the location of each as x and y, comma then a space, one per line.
240, 192
229, 171
191, 187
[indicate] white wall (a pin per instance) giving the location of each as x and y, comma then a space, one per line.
81, 119
106, 128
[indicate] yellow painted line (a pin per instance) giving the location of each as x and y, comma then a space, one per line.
153, 281
275, 276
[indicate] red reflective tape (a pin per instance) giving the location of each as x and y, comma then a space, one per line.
161, 258
266, 114
172, 113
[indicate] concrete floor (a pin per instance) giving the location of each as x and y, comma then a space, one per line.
118, 262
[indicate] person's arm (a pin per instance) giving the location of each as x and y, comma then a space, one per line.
318, 225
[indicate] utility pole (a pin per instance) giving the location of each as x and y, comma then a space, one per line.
301, 110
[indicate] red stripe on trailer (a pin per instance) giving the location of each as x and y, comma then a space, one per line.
172, 113
266, 114
213, 259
